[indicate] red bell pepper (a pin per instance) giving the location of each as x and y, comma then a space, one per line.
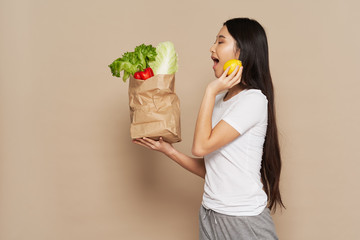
143, 75
137, 75
151, 71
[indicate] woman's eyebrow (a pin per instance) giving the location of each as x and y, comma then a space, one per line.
221, 36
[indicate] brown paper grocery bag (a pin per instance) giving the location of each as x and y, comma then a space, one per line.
154, 108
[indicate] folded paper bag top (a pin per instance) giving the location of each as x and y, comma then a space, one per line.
154, 108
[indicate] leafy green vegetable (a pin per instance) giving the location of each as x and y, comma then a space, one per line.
166, 59
132, 62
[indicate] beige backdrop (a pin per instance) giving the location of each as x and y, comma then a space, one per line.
68, 168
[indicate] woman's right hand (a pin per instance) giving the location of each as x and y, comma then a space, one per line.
194, 165
160, 145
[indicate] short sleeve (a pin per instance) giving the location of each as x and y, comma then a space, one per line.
247, 111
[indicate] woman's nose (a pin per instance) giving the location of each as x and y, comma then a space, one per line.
212, 49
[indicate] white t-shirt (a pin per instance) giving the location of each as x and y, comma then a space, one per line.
233, 181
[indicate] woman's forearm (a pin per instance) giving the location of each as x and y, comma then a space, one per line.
204, 123
194, 165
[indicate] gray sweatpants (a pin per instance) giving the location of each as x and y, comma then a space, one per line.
217, 226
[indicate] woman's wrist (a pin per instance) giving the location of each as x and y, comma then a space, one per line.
210, 91
171, 153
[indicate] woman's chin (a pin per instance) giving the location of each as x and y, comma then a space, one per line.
217, 74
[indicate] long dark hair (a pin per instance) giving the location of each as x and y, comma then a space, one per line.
251, 40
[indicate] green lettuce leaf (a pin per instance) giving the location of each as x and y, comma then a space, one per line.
132, 62
145, 54
165, 60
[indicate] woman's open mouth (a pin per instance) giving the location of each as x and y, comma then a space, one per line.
216, 61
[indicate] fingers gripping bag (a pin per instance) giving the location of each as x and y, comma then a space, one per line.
154, 105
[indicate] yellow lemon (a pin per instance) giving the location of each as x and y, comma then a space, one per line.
232, 64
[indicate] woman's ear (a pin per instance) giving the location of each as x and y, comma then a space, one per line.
237, 53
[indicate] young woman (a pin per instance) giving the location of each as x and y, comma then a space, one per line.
235, 139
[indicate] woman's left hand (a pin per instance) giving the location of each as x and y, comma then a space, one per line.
225, 82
